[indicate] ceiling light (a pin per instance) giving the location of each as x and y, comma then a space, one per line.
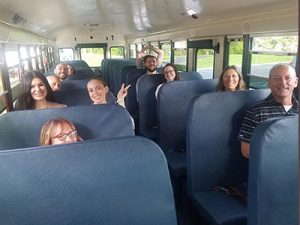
190, 12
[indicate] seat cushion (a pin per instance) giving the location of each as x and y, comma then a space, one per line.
219, 208
177, 163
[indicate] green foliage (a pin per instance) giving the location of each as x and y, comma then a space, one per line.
236, 47
180, 67
117, 52
279, 43
180, 52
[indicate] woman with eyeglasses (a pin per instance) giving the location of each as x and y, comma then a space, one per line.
170, 73
58, 131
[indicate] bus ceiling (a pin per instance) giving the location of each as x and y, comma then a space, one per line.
133, 19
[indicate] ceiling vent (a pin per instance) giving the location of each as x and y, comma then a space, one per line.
18, 20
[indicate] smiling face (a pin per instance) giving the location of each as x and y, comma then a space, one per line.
282, 81
230, 80
38, 89
61, 71
150, 64
97, 91
169, 73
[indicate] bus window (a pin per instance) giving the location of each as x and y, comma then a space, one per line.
40, 59
139, 46
12, 62
132, 51
268, 51
33, 56
180, 55
23, 53
1, 85
236, 53
205, 62
92, 56
117, 53
166, 47
66, 54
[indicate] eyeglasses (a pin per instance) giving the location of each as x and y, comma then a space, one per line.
63, 137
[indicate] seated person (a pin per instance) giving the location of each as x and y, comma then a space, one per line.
230, 80
36, 93
70, 69
54, 82
98, 89
281, 102
171, 74
61, 71
58, 131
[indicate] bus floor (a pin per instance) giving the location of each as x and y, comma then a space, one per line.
187, 216
186, 213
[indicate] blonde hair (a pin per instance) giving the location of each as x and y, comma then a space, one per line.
49, 126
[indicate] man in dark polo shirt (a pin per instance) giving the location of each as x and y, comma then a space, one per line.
281, 102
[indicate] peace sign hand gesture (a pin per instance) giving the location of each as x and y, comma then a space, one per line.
122, 94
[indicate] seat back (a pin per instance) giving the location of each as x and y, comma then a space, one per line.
75, 97
113, 73
190, 75
273, 173
78, 64
81, 75
117, 74
130, 76
74, 84
82, 69
21, 129
213, 151
118, 181
172, 104
147, 104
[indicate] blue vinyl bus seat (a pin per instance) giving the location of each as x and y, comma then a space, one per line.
172, 105
107, 65
21, 129
75, 97
113, 73
147, 105
82, 69
81, 75
117, 74
190, 75
273, 173
129, 75
78, 64
73, 84
213, 153
117, 181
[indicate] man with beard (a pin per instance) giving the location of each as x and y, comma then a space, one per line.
61, 71
280, 103
148, 62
